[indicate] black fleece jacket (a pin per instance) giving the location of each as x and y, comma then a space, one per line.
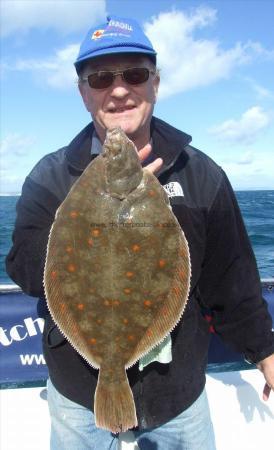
224, 274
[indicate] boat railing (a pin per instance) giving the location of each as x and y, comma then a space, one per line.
21, 326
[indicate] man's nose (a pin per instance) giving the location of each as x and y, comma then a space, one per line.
119, 87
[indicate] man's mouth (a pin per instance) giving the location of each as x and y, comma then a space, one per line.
120, 109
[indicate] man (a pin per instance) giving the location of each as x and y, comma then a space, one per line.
119, 82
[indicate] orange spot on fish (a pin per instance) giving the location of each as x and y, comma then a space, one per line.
74, 214
96, 232
80, 306
106, 302
129, 274
116, 302
63, 307
125, 321
53, 274
161, 263
151, 193
147, 303
165, 311
149, 333
131, 337
176, 290
181, 275
127, 291
71, 268
99, 321
136, 248
74, 328
90, 242
69, 249
93, 341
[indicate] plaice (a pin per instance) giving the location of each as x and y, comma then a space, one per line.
117, 272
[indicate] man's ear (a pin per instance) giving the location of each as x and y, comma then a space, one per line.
83, 92
156, 84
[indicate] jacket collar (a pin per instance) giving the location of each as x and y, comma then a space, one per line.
78, 151
168, 144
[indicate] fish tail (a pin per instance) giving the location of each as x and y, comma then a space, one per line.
114, 405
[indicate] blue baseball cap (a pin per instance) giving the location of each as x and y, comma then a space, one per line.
117, 35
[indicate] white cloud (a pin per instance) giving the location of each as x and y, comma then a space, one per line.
64, 16
261, 91
244, 130
260, 51
257, 173
56, 71
187, 62
15, 144
16, 153
246, 158
10, 184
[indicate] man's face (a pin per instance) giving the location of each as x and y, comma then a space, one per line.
121, 104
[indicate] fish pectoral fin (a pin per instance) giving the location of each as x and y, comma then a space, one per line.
114, 404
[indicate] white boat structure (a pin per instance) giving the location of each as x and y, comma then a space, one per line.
241, 419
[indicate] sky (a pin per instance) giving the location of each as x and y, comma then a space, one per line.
216, 60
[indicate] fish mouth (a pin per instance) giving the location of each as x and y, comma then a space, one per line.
115, 138
114, 134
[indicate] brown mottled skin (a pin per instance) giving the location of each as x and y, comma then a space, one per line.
117, 272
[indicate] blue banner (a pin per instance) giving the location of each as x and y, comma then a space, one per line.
21, 328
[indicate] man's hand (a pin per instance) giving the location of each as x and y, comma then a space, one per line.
155, 165
266, 366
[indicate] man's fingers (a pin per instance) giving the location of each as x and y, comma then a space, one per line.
266, 392
266, 366
144, 152
155, 165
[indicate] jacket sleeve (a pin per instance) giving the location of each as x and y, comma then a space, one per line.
26, 259
230, 283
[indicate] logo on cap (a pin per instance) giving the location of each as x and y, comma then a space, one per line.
97, 34
121, 25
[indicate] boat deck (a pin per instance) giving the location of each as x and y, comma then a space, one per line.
242, 420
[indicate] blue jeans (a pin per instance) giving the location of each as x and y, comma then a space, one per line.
73, 428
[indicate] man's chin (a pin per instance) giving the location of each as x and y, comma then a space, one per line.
128, 129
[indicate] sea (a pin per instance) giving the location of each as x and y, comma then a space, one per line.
257, 208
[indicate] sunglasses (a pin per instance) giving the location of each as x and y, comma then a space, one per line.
104, 78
